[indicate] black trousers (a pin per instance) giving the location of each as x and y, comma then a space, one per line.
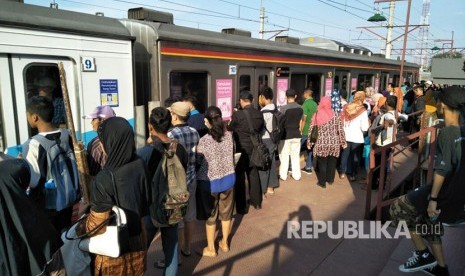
326, 169
255, 192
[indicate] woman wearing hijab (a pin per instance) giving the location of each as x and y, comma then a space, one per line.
326, 147
216, 178
27, 237
127, 172
355, 121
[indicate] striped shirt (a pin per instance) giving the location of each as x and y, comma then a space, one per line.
189, 138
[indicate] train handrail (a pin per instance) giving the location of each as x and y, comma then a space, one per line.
382, 199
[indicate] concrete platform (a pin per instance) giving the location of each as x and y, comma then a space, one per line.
260, 244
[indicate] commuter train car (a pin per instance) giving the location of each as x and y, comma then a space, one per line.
96, 53
216, 66
135, 64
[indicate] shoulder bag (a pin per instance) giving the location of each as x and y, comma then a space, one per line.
114, 242
260, 157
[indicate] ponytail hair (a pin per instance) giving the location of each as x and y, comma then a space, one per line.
214, 117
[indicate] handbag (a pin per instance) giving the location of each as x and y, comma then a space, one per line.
260, 157
114, 242
314, 134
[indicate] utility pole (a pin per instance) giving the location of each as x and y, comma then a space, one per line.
392, 5
262, 20
401, 75
452, 46
423, 34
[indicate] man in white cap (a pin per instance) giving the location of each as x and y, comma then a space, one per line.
96, 157
189, 138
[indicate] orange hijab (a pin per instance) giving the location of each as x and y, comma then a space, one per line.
400, 98
354, 108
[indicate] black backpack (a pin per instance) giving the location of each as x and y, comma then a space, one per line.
261, 157
277, 131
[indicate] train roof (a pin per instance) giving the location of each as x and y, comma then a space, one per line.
179, 33
18, 15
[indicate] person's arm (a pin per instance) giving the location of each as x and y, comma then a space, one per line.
302, 123
341, 133
438, 180
31, 154
365, 123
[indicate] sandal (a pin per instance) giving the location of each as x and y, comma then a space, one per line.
160, 264
223, 247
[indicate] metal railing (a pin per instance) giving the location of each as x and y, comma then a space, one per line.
426, 152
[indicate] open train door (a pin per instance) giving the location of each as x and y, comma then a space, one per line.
29, 76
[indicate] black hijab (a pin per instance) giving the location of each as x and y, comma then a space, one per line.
117, 138
27, 238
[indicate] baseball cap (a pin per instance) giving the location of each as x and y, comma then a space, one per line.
103, 111
180, 108
429, 82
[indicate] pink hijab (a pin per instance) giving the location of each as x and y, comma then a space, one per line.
324, 113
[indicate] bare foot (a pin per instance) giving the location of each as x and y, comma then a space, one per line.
207, 253
223, 246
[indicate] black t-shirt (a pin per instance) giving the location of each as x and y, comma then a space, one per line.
241, 129
293, 113
448, 155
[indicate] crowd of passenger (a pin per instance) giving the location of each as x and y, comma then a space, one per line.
330, 134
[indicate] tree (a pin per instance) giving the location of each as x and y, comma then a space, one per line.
448, 55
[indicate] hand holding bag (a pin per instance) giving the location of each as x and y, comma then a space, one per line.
314, 134
114, 242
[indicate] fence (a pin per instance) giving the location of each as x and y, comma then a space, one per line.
426, 139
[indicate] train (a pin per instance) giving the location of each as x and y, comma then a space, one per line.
134, 64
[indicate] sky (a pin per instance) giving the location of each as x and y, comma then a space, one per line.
333, 19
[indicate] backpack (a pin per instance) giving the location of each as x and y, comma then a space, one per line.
261, 157
62, 168
277, 131
379, 132
169, 190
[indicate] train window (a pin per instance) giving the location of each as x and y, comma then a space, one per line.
44, 80
244, 83
364, 81
192, 84
262, 81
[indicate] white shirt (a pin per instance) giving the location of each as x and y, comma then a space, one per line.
354, 129
389, 131
268, 117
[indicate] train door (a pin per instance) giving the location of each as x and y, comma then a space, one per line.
384, 80
33, 76
253, 79
340, 81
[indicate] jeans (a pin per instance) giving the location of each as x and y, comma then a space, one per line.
150, 229
308, 163
289, 149
351, 157
169, 241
